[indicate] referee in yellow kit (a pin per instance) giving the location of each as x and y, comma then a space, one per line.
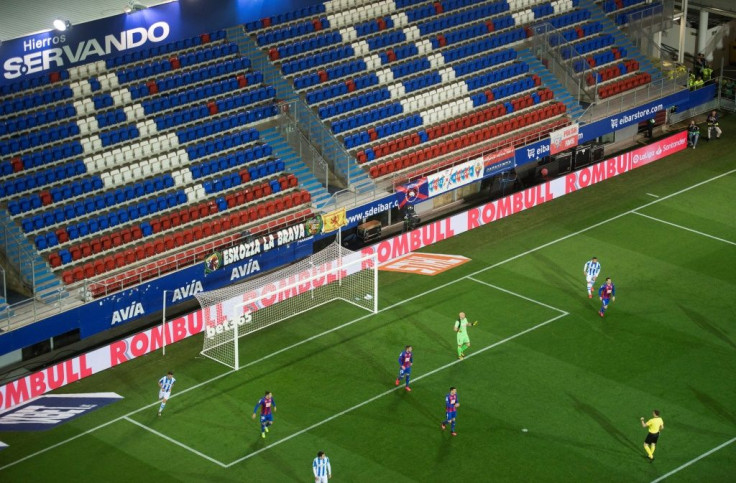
654, 425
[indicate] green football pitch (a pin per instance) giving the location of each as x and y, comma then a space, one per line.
549, 391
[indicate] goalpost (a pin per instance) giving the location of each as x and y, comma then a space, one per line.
334, 273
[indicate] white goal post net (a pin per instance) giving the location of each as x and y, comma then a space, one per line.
334, 273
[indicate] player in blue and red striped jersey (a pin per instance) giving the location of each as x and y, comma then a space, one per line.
406, 359
607, 294
268, 407
451, 405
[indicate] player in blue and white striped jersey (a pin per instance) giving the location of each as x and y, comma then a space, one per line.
591, 270
165, 384
321, 468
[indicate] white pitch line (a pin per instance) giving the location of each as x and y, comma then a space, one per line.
517, 295
385, 393
178, 443
510, 259
694, 460
652, 195
685, 228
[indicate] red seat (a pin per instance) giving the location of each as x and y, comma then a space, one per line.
78, 273
96, 246
62, 235
109, 263
106, 242
158, 246
67, 277
148, 249
54, 260
129, 256
89, 269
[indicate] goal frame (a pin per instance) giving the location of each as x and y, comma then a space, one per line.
357, 262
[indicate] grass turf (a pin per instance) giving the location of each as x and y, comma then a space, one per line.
541, 359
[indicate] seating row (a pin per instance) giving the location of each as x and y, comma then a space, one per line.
196, 76
451, 126
203, 211
600, 58
163, 49
638, 13
29, 101
24, 142
587, 45
111, 220
33, 82
243, 156
93, 204
575, 33
296, 30
468, 139
607, 73
40, 158
38, 118
231, 180
224, 124
622, 85
613, 5
151, 69
278, 19
54, 195
520, 138
172, 262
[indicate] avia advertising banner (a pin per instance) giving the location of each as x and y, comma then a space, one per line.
92, 41
36, 384
563, 139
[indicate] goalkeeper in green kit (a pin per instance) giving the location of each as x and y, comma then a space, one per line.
461, 327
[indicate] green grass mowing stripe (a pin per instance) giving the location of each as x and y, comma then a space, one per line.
538, 248
694, 460
684, 228
385, 393
172, 440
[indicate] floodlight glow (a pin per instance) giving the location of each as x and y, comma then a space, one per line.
61, 25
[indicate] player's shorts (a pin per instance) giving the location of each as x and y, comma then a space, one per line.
266, 418
450, 415
164, 395
651, 438
320, 479
462, 339
605, 302
590, 278
405, 372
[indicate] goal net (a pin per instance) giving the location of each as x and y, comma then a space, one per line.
334, 273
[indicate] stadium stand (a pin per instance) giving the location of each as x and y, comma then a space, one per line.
120, 170
124, 169
408, 86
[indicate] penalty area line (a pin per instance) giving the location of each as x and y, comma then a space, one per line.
385, 393
712, 237
694, 460
500, 289
178, 443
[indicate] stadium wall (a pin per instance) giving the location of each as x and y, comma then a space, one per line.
142, 343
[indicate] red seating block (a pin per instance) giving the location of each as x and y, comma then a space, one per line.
174, 61
205, 38
212, 107
152, 87
54, 77
266, 22
317, 24
273, 53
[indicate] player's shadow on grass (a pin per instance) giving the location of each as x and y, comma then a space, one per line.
702, 322
604, 423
